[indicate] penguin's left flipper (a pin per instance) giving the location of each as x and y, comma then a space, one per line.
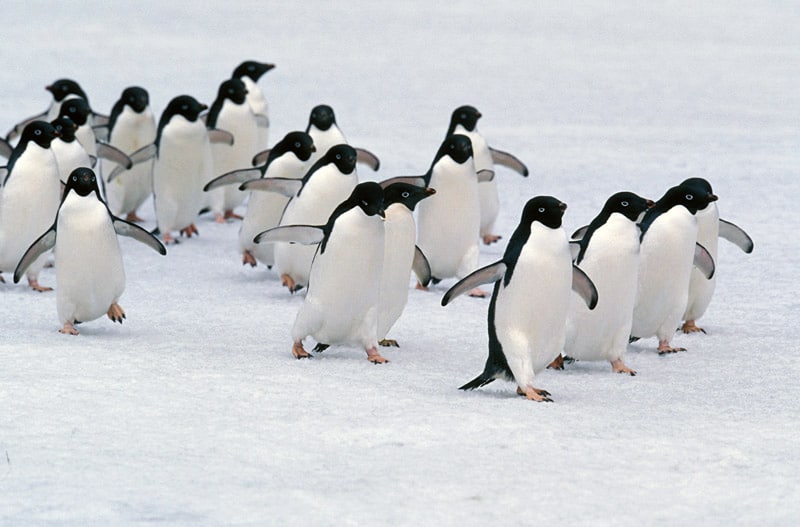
4, 176
233, 177
5, 148
365, 157
583, 285
44, 243
261, 157
421, 267
262, 121
484, 275
217, 136
145, 153
579, 233
703, 261
302, 234
574, 249
101, 132
126, 228
485, 175
509, 161
100, 119
288, 187
736, 235
20, 126
418, 181
112, 153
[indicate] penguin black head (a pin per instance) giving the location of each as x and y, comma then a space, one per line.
299, 143
63, 88
76, 109
467, 116
369, 197
185, 106
135, 97
232, 89
699, 183
40, 132
65, 128
691, 194
343, 156
83, 181
628, 204
457, 146
405, 193
252, 69
547, 210
322, 117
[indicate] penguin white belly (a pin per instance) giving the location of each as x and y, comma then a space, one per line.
238, 119
449, 221
319, 198
487, 190
701, 289
324, 140
398, 257
531, 313
342, 300
665, 265
131, 132
69, 156
257, 103
89, 271
612, 262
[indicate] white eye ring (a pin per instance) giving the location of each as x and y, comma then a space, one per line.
338, 156
37, 132
541, 209
406, 194
297, 145
689, 197
74, 178
624, 203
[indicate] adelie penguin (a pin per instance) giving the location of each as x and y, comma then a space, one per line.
528, 310
341, 305
464, 120
710, 227
89, 272
669, 249
249, 72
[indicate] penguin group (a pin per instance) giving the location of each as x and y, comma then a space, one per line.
76, 179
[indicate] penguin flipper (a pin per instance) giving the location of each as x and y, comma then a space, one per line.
579, 233
3, 175
736, 235
477, 382
262, 121
261, 157
509, 161
583, 285
704, 261
233, 177
418, 181
44, 243
100, 119
20, 126
112, 153
574, 249
485, 175
101, 132
126, 228
302, 234
421, 267
5, 148
215, 135
145, 153
366, 157
285, 186
484, 275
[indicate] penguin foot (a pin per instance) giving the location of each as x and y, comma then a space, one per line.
190, 230
299, 352
478, 293
68, 329
535, 394
664, 348
133, 217
219, 218
169, 240
690, 327
115, 313
36, 287
248, 259
557, 364
288, 282
617, 366
374, 357
389, 343
421, 287
2, 280
230, 215
489, 239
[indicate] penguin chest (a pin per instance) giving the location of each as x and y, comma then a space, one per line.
481, 154
70, 156
398, 257
255, 97
133, 130
325, 139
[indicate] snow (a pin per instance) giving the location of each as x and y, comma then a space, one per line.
193, 412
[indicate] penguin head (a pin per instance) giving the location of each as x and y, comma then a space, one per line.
322, 117
405, 193
40, 132
232, 89
76, 109
343, 156
457, 146
135, 97
368, 197
547, 210
467, 116
691, 194
83, 181
65, 128
62, 88
628, 204
299, 143
252, 69
185, 106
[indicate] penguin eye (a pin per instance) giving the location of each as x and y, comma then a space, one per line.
251, 68
406, 194
297, 145
184, 107
338, 156
689, 197
230, 91
463, 116
541, 209
74, 178
624, 204
37, 132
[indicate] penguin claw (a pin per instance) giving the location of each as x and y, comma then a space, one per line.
34, 284
133, 217
535, 394
389, 343
249, 259
190, 230
617, 366
115, 313
667, 350
489, 239
68, 329
690, 327
557, 364
230, 215
374, 357
299, 352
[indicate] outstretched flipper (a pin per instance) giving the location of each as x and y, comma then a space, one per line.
579, 233
477, 382
217, 136
112, 153
100, 132
20, 126
736, 235
485, 275
418, 181
285, 186
366, 157
261, 157
145, 153
421, 267
509, 161
302, 234
131, 230
583, 285
485, 175
5, 148
235, 177
44, 243
703, 261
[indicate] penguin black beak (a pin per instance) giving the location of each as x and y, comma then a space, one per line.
313, 148
713, 197
430, 191
562, 206
381, 213
650, 203
49, 88
203, 106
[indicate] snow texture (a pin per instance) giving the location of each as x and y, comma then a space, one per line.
194, 412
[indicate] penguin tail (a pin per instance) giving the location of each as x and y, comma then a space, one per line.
477, 382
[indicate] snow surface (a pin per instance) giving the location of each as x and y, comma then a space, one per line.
193, 412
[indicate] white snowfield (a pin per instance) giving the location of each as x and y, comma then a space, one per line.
194, 412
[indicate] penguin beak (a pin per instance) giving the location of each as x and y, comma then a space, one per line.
382, 213
713, 197
562, 206
49, 88
650, 203
430, 191
313, 148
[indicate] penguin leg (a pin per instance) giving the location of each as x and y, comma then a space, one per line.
374, 357
299, 351
557, 364
115, 313
133, 217
664, 348
389, 343
421, 287
34, 283
489, 239
230, 215
617, 366
68, 329
535, 394
248, 259
690, 327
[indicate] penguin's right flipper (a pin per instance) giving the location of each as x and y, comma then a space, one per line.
484, 275
579, 233
704, 261
736, 235
145, 153
477, 382
261, 157
101, 132
126, 228
302, 234
485, 175
574, 249
421, 267
366, 157
583, 285
509, 161
418, 181
288, 187
219, 136
112, 153
3, 175
234, 177
20, 126
44, 243
5, 148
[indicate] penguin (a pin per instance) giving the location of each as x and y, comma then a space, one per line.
401, 255
131, 129
6, 149
448, 222
70, 153
231, 112
464, 120
341, 305
287, 162
250, 72
669, 248
709, 228
609, 253
90, 277
530, 300
29, 197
